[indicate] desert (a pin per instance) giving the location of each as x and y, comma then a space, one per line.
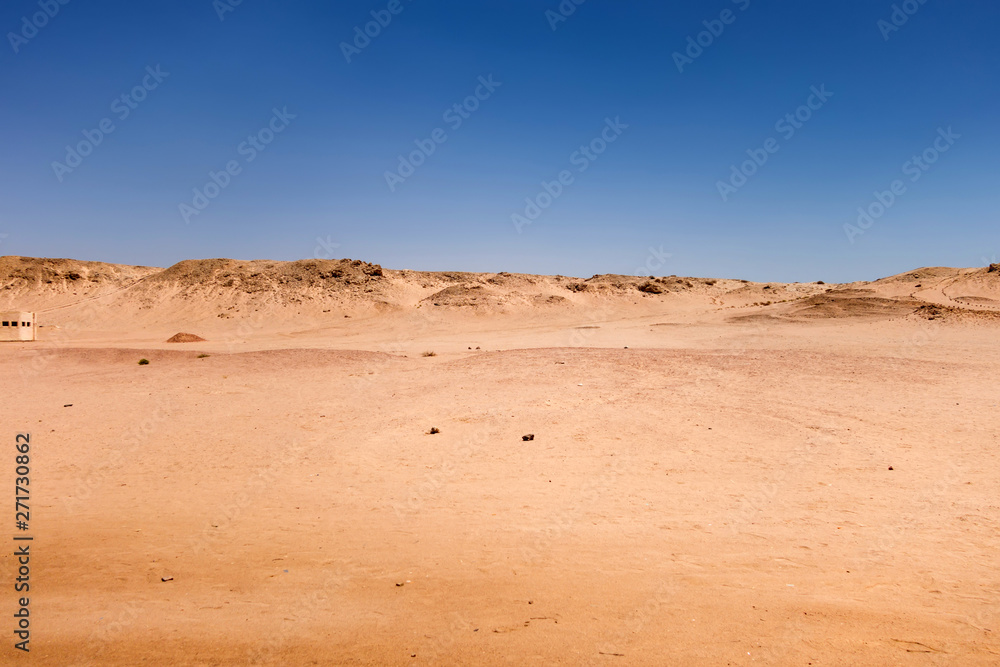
722, 471
474, 334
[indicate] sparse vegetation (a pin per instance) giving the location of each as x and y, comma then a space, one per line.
429, 354
202, 356
144, 362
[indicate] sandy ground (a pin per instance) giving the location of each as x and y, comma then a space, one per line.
702, 487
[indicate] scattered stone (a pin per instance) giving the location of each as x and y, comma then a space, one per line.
994, 268
434, 430
166, 578
890, 467
68, 405
526, 438
400, 584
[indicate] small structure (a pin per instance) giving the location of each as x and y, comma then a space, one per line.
17, 325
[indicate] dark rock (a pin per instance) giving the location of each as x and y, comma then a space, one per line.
650, 288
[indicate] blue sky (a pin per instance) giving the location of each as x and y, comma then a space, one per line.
650, 198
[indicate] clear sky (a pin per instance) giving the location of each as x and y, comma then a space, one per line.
643, 126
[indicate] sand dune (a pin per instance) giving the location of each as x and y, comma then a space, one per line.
203, 292
722, 472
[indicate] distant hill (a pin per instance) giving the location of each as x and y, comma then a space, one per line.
274, 293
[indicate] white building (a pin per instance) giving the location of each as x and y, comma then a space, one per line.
17, 326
